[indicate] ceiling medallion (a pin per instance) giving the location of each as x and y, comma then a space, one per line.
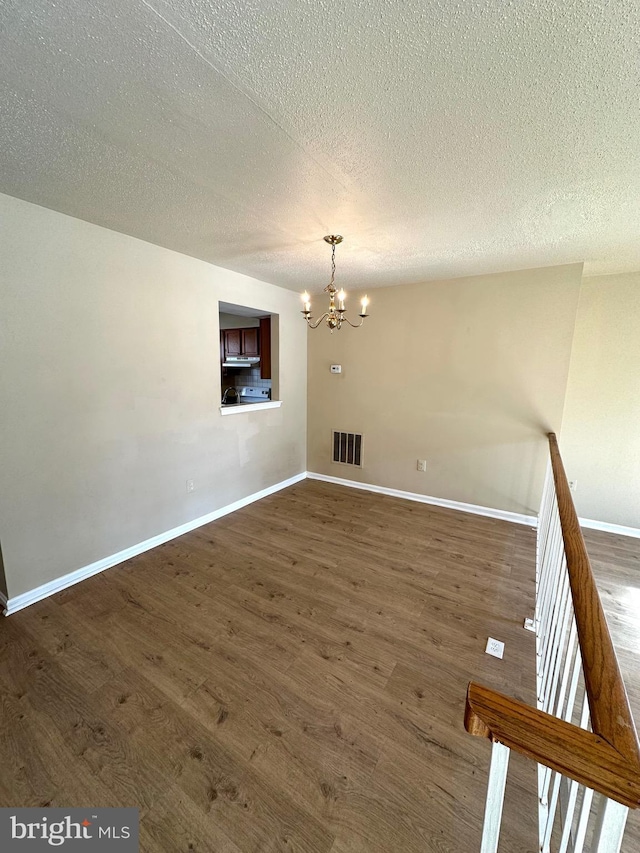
335, 316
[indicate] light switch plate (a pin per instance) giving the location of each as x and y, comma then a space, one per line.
336, 368
495, 648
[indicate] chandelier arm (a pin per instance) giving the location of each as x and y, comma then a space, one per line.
317, 322
353, 325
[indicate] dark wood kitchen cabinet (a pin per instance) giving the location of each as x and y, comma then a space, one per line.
241, 342
232, 339
250, 342
265, 348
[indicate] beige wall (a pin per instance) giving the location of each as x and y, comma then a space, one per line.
109, 393
467, 374
601, 426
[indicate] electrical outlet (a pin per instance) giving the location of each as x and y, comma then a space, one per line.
495, 648
336, 368
573, 485
422, 465
190, 485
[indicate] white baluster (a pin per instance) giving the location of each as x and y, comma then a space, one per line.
556, 643
548, 609
544, 775
495, 797
551, 812
548, 549
561, 648
568, 808
543, 801
609, 826
547, 574
557, 780
583, 820
544, 525
573, 688
569, 663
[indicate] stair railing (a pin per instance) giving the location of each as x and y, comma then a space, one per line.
582, 733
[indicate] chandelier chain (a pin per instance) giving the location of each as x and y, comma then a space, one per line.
333, 264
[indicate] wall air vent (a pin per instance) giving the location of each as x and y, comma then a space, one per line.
347, 448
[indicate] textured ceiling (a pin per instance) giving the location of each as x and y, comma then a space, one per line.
441, 137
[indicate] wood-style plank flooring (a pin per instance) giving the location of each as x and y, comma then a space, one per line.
290, 678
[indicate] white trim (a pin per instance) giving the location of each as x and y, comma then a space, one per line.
605, 526
503, 514
12, 605
495, 797
249, 407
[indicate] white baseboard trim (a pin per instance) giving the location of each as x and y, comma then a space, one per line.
18, 602
504, 515
618, 529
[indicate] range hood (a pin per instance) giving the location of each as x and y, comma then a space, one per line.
241, 361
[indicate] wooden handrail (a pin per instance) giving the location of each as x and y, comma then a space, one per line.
608, 702
608, 758
580, 754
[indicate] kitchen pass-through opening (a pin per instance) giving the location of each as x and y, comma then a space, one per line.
248, 355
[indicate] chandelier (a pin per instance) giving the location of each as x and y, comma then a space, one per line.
335, 316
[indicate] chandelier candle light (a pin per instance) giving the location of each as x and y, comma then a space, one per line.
334, 316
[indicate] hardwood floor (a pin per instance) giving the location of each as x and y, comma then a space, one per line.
290, 678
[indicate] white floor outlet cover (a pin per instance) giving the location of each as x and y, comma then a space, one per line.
495, 648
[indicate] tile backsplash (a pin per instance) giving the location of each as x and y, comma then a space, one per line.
243, 378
